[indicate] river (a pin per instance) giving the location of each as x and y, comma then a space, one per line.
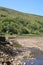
33, 62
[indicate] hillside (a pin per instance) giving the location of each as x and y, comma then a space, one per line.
14, 22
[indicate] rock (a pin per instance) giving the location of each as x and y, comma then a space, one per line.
0, 63
11, 43
4, 64
23, 63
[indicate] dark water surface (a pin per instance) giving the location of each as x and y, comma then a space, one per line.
33, 62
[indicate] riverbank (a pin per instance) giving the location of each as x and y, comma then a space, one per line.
17, 56
31, 49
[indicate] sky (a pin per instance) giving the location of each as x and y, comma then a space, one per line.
26, 6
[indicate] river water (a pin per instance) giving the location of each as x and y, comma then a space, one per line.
33, 62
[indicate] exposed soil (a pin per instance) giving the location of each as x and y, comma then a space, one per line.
31, 42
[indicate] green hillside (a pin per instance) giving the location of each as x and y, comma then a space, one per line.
14, 22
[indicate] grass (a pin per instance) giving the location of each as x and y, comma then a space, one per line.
8, 35
17, 45
30, 35
24, 35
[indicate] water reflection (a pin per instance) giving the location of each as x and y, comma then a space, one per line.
33, 62
37, 55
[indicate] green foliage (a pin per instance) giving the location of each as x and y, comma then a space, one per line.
14, 22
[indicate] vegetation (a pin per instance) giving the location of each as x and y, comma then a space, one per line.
14, 22
16, 44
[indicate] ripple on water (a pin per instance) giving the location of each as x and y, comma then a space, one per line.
33, 62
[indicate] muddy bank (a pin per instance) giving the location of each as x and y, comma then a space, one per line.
24, 53
32, 48
31, 42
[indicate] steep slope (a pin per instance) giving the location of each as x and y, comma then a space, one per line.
14, 22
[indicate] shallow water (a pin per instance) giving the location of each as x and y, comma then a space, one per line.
33, 62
